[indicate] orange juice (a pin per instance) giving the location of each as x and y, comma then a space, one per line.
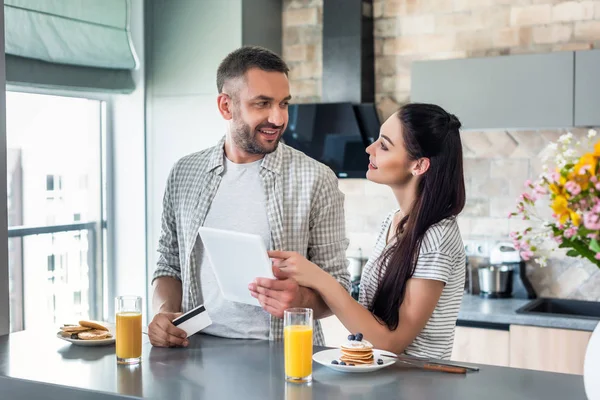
129, 335
298, 344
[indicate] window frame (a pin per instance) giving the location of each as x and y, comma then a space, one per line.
104, 273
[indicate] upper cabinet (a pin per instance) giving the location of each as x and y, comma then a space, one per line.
530, 91
587, 88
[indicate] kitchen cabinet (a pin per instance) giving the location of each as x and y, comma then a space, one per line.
548, 349
587, 88
481, 346
528, 91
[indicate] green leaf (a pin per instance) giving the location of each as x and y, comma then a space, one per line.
584, 231
595, 246
565, 244
573, 253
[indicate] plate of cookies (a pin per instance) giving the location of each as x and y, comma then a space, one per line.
87, 333
355, 355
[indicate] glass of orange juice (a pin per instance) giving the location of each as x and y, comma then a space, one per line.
129, 329
298, 344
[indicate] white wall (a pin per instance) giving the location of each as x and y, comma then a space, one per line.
128, 203
4, 295
188, 38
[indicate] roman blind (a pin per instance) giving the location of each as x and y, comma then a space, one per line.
69, 44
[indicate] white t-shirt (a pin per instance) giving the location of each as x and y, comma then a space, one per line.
238, 205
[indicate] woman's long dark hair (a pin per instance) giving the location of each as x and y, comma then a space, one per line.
428, 131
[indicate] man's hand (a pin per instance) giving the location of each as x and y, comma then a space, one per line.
163, 333
276, 295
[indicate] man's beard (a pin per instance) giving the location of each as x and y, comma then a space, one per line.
246, 139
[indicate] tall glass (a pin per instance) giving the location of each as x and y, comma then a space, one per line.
298, 344
129, 329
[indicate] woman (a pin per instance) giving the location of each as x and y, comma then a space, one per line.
412, 285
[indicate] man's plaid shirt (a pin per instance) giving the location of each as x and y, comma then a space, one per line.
305, 210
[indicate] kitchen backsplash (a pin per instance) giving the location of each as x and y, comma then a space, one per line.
496, 163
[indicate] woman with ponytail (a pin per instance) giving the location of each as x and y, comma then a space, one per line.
412, 285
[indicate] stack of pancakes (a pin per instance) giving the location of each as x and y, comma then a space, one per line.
86, 330
357, 353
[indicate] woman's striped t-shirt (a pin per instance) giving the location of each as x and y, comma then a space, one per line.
441, 257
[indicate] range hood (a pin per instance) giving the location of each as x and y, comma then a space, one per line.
337, 130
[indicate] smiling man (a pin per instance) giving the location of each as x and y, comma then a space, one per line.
249, 182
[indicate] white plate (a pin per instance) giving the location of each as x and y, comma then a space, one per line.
79, 342
325, 358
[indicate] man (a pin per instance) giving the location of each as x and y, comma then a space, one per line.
251, 183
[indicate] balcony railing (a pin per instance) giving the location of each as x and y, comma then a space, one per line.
63, 256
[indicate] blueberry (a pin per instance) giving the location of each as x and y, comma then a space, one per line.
351, 337
334, 362
342, 363
358, 337
352, 365
380, 362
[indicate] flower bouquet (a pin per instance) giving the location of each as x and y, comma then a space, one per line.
570, 190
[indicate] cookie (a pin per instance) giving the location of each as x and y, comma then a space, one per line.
93, 325
94, 334
74, 329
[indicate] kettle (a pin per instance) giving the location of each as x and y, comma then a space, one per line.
496, 280
504, 253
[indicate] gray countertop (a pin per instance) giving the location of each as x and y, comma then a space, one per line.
475, 310
38, 365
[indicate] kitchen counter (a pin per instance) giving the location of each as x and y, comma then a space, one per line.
38, 365
477, 311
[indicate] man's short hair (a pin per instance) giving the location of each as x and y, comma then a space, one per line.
238, 62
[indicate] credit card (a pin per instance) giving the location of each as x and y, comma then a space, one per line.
193, 321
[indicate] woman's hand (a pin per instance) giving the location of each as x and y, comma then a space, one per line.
295, 266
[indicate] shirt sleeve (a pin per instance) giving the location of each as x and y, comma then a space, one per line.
327, 236
434, 265
168, 245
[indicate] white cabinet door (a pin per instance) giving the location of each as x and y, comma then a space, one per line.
481, 346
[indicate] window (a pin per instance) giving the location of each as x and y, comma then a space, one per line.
77, 298
51, 263
55, 198
49, 182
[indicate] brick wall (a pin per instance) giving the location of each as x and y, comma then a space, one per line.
496, 163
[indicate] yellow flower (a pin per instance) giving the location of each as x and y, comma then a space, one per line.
555, 189
558, 187
597, 149
575, 218
581, 180
588, 160
560, 208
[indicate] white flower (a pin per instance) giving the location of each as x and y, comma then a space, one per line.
553, 146
542, 261
591, 133
566, 138
569, 153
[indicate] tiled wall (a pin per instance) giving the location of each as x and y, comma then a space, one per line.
496, 163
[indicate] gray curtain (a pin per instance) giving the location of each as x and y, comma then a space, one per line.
69, 44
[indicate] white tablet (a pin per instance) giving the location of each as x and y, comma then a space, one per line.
237, 259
